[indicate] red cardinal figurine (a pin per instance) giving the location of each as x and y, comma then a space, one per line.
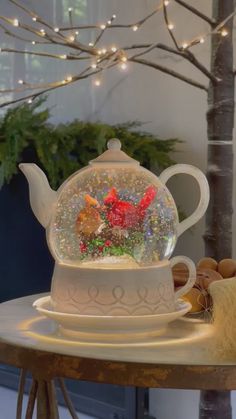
123, 214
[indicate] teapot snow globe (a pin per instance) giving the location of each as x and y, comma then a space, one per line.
111, 228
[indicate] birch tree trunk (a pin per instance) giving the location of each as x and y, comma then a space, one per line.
220, 118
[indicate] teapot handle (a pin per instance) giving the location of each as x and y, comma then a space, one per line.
204, 192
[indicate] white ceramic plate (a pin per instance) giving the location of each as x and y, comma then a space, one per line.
110, 328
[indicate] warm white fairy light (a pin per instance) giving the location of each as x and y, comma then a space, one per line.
124, 59
71, 38
34, 19
94, 65
99, 52
15, 22
166, 2
20, 81
70, 9
97, 82
33, 42
30, 101
184, 45
56, 29
171, 26
77, 33
224, 32
63, 56
42, 32
109, 22
102, 26
201, 40
104, 51
69, 79
135, 28
91, 44
114, 16
123, 66
113, 49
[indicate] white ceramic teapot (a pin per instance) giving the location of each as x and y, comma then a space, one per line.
111, 215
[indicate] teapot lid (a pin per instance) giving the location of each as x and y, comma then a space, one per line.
114, 154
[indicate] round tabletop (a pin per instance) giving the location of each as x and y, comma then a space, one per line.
180, 358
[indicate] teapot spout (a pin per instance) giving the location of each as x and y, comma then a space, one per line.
42, 197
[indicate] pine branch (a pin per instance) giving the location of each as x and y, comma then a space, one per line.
196, 12
170, 72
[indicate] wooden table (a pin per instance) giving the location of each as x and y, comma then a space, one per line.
180, 359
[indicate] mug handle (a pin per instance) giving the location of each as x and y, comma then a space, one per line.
204, 192
192, 274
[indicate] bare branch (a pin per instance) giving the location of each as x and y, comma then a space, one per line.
166, 18
45, 54
196, 12
192, 59
170, 72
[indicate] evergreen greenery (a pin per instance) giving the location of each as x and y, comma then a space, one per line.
60, 150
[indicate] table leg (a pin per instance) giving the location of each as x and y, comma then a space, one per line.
31, 400
215, 405
67, 399
46, 401
20, 394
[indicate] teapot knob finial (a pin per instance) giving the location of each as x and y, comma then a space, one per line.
114, 144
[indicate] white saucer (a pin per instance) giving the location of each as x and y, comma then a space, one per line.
107, 329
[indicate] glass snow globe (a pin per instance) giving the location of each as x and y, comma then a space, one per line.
113, 213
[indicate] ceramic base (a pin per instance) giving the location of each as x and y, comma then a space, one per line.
109, 329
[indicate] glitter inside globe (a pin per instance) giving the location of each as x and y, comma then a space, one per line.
113, 213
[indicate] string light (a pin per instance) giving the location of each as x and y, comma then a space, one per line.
202, 40
99, 52
171, 26
123, 66
33, 42
71, 38
124, 59
77, 33
56, 29
69, 79
184, 45
91, 44
20, 81
135, 28
97, 82
63, 56
42, 31
103, 27
224, 32
30, 101
104, 51
113, 49
94, 65
15, 22
109, 22
34, 19
166, 2
113, 16
70, 9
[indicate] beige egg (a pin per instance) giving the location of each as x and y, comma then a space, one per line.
227, 268
197, 298
206, 276
208, 263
